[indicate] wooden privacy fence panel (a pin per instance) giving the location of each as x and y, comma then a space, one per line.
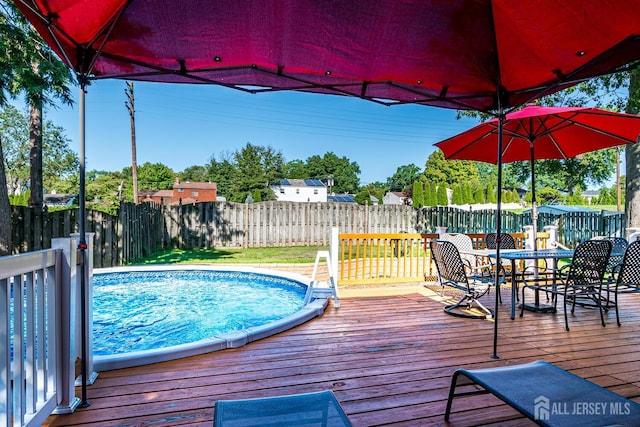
278, 223
141, 230
466, 221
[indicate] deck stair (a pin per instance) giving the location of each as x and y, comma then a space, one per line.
323, 288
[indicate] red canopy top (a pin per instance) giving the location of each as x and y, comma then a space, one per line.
454, 53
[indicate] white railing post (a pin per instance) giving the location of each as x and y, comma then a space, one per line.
633, 233
334, 250
528, 241
441, 231
552, 240
67, 305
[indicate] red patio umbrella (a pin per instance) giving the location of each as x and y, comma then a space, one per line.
537, 132
465, 54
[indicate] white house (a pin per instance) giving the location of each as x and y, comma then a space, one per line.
300, 190
394, 198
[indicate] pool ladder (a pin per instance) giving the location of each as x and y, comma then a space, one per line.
322, 288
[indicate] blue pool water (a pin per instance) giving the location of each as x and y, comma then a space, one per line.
143, 310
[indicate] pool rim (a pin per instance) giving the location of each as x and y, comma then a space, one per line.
235, 339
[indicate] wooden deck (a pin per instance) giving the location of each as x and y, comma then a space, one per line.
389, 360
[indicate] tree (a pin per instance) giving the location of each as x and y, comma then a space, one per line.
345, 173
403, 177
467, 193
442, 199
223, 172
194, 174
363, 197
376, 189
104, 189
491, 194
256, 167
632, 157
456, 195
153, 176
478, 196
442, 171
418, 195
41, 77
433, 195
59, 161
295, 169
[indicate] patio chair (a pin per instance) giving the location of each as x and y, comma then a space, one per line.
618, 248
464, 244
535, 389
320, 409
579, 282
627, 273
452, 272
506, 241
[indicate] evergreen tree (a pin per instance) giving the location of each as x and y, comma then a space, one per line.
491, 194
427, 194
456, 195
442, 199
418, 195
478, 196
467, 193
433, 195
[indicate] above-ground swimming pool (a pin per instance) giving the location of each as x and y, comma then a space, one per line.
145, 315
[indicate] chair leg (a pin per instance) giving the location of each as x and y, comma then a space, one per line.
617, 313
522, 305
597, 296
566, 318
452, 390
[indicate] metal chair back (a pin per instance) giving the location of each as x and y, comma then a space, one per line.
589, 264
628, 279
506, 241
449, 264
619, 246
463, 243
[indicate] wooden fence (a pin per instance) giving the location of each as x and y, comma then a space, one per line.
140, 230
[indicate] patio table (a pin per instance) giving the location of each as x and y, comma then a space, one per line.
515, 255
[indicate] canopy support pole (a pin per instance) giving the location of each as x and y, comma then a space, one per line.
82, 246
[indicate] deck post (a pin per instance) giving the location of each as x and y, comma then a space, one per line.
67, 402
334, 249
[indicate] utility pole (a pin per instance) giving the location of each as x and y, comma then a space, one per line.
132, 119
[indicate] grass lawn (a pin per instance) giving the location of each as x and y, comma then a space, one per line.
284, 255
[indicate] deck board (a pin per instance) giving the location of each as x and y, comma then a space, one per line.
388, 359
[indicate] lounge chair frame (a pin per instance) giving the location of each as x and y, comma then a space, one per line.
534, 388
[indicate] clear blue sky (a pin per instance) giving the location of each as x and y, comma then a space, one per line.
184, 125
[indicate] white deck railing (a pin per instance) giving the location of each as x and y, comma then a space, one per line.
38, 291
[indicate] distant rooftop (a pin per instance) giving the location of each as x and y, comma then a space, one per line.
560, 209
345, 198
300, 182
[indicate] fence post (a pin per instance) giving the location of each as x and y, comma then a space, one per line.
441, 231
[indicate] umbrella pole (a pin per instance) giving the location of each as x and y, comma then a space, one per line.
498, 231
534, 205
